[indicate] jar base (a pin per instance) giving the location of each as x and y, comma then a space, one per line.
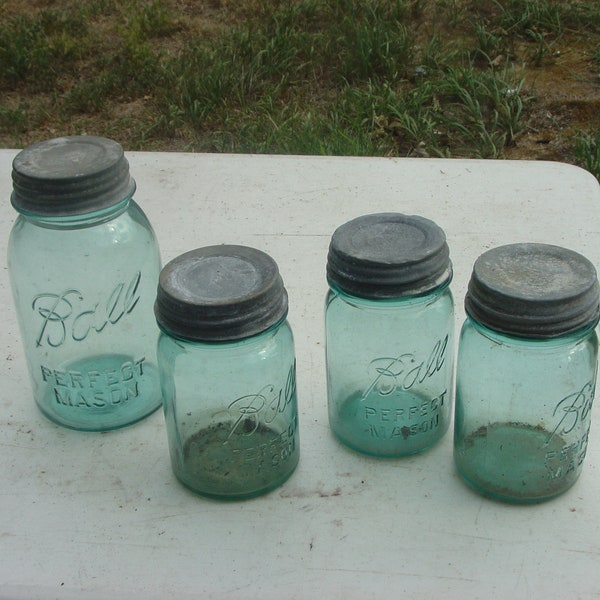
379, 454
516, 463
390, 427
237, 496
225, 462
100, 393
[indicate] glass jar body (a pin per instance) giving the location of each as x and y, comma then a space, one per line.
231, 412
389, 371
83, 289
523, 411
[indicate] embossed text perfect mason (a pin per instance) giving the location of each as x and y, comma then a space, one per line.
526, 372
389, 334
228, 371
84, 265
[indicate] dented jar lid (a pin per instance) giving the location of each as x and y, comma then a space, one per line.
70, 176
220, 293
533, 291
388, 255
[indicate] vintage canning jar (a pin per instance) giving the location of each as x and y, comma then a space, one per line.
84, 265
526, 372
389, 334
227, 368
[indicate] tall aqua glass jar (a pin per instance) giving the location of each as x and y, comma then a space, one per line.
84, 265
228, 372
526, 372
389, 334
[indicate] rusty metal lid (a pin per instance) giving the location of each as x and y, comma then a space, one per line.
70, 176
220, 293
533, 291
388, 255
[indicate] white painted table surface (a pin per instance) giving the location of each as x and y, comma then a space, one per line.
101, 515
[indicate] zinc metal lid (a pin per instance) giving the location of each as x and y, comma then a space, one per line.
220, 293
70, 176
388, 255
533, 291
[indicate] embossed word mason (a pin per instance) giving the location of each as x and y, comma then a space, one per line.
389, 277
526, 374
390, 423
68, 315
84, 266
96, 389
573, 414
565, 462
230, 434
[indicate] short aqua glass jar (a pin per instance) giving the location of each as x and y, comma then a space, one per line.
84, 264
389, 334
526, 372
228, 371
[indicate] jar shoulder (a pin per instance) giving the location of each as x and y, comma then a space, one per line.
129, 229
278, 341
476, 337
441, 301
131, 220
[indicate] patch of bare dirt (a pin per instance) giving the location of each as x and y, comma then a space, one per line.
565, 91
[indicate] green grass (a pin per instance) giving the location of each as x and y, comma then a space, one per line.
349, 77
587, 151
384, 92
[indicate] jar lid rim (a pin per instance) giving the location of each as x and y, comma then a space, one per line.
220, 293
533, 290
70, 176
388, 255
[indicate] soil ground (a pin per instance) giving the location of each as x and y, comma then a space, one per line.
566, 99
565, 87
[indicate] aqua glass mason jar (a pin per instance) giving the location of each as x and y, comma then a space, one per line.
228, 372
526, 372
84, 265
389, 334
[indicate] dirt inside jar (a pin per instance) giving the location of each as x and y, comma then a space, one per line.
236, 460
518, 462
